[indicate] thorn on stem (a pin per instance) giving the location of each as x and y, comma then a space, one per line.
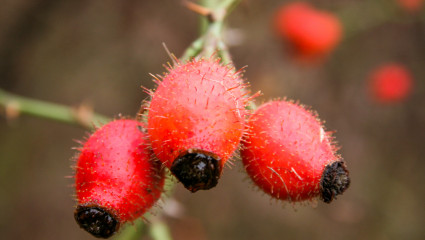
12, 110
200, 10
84, 114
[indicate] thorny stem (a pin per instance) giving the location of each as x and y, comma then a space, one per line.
83, 116
211, 39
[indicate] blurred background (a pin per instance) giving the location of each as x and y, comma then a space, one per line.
100, 53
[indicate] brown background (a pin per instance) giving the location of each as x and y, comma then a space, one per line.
100, 52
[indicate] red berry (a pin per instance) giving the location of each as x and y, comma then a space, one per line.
411, 5
196, 120
312, 33
287, 154
390, 83
116, 181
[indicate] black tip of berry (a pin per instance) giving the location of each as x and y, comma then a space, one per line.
335, 181
197, 170
97, 221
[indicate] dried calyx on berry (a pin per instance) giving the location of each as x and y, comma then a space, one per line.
197, 170
334, 181
97, 221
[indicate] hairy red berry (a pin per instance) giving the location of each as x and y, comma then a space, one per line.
116, 181
196, 120
390, 83
411, 5
287, 154
312, 33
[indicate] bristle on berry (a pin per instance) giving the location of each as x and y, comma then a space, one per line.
198, 106
288, 154
116, 179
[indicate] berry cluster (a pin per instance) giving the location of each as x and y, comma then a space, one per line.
197, 119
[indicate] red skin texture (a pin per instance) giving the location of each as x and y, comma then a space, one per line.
198, 105
411, 5
285, 151
390, 83
114, 171
311, 33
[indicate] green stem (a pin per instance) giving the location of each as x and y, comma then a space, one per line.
16, 104
193, 50
159, 230
211, 39
132, 232
223, 51
229, 5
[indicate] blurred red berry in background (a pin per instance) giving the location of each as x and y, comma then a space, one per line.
390, 83
311, 33
411, 5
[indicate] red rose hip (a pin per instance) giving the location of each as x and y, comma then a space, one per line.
116, 181
411, 5
390, 83
287, 154
196, 120
312, 33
